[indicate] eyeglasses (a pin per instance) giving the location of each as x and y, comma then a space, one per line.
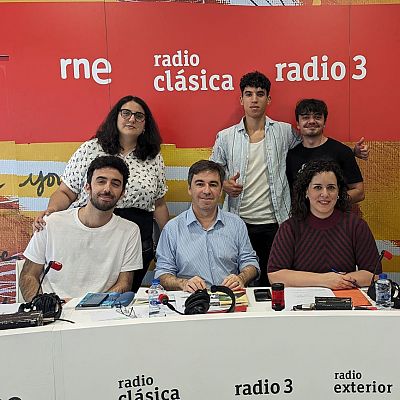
127, 114
128, 312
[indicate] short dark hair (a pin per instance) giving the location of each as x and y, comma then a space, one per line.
148, 143
206, 165
108, 162
256, 80
311, 106
300, 204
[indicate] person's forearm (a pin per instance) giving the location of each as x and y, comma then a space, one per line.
248, 274
362, 277
171, 282
120, 288
123, 284
356, 195
296, 278
29, 286
161, 214
59, 201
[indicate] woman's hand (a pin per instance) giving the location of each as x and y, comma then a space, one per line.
39, 222
336, 281
60, 200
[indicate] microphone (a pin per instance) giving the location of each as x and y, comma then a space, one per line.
57, 266
371, 290
164, 299
49, 304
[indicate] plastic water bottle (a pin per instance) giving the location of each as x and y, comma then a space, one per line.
383, 292
156, 309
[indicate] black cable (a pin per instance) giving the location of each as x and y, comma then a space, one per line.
66, 320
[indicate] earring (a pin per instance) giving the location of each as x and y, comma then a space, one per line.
338, 197
306, 196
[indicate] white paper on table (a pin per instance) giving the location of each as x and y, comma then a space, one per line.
9, 308
305, 295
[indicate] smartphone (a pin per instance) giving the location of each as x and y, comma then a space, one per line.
262, 294
95, 300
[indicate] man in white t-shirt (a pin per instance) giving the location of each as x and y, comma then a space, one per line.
98, 250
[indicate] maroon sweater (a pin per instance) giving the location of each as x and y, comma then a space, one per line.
340, 241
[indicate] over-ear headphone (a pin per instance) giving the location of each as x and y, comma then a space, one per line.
395, 289
395, 295
199, 301
49, 304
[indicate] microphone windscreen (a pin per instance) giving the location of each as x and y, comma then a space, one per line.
163, 298
387, 254
55, 265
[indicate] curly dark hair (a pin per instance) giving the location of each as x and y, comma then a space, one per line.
311, 106
255, 80
148, 143
300, 204
109, 162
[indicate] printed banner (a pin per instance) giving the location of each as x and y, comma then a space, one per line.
67, 63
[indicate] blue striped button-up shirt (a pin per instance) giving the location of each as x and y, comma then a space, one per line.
231, 149
186, 249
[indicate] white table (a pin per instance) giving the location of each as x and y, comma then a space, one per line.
291, 355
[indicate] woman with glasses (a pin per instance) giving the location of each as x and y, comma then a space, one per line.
130, 132
322, 243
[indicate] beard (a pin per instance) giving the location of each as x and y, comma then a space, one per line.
103, 206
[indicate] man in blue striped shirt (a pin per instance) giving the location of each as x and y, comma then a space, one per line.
205, 245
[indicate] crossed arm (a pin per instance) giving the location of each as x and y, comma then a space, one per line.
331, 280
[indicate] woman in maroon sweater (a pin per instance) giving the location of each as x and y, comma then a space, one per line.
322, 244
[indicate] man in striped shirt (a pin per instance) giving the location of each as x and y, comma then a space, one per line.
205, 245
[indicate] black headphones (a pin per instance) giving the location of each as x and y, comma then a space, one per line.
395, 295
199, 301
48, 303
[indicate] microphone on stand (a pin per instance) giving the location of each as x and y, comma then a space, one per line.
49, 304
164, 299
57, 266
371, 290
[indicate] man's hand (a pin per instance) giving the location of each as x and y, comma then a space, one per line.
39, 222
231, 187
233, 282
193, 284
361, 149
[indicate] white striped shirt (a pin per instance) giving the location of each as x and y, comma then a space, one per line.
231, 150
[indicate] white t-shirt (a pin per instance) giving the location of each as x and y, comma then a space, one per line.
256, 207
92, 258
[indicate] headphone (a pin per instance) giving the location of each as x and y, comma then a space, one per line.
395, 288
199, 301
48, 303
395, 293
